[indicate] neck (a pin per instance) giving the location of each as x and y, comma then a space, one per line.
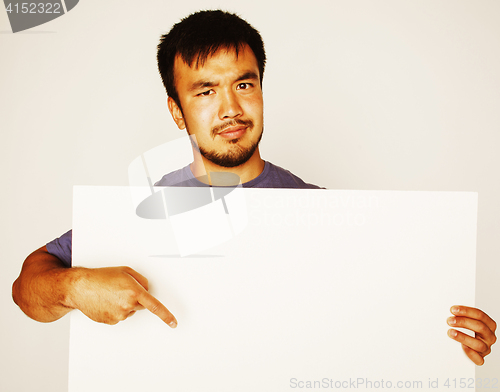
247, 171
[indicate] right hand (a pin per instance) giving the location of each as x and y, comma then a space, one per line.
109, 295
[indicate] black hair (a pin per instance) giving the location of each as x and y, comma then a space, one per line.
201, 35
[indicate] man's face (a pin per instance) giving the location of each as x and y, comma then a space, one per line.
222, 105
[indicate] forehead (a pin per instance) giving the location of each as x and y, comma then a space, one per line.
223, 64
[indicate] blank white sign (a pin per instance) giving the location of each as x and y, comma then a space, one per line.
321, 290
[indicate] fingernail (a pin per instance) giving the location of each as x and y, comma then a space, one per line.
455, 309
452, 320
173, 324
452, 333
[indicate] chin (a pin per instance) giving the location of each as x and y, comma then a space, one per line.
231, 159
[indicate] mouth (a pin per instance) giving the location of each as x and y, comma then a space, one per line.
233, 132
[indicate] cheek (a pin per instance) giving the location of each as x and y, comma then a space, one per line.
199, 120
255, 106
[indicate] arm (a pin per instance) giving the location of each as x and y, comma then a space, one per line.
46, 290
477, 347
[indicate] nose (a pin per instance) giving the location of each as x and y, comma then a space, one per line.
229, 106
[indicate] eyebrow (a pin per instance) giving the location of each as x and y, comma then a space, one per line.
248, 75
201, 84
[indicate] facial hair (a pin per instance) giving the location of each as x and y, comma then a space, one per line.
232, 158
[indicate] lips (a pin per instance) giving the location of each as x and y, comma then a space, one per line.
233, 132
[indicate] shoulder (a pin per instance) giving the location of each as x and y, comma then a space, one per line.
274, 176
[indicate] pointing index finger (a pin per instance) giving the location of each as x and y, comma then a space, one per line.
157, 308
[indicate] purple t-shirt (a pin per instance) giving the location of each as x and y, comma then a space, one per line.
271, 177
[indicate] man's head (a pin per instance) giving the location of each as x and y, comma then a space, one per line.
199, 36
212, 64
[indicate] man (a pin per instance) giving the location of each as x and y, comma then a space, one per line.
212, 65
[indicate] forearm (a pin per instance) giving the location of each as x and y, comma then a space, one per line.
43, 288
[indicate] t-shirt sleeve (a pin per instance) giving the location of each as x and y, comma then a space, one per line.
61, 247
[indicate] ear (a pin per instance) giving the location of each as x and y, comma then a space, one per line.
176, 113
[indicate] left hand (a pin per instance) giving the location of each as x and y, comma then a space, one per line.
476, 348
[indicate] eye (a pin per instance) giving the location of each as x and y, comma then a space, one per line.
244, 86
205, 93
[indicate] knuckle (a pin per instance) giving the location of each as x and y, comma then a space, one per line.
126, 308
482, 328
482, 347
128, 301
127, 270
122, 316
130, 294
482, 318
155, 308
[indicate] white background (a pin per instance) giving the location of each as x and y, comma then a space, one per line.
358, 95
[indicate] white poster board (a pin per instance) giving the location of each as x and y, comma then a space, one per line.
322, 288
